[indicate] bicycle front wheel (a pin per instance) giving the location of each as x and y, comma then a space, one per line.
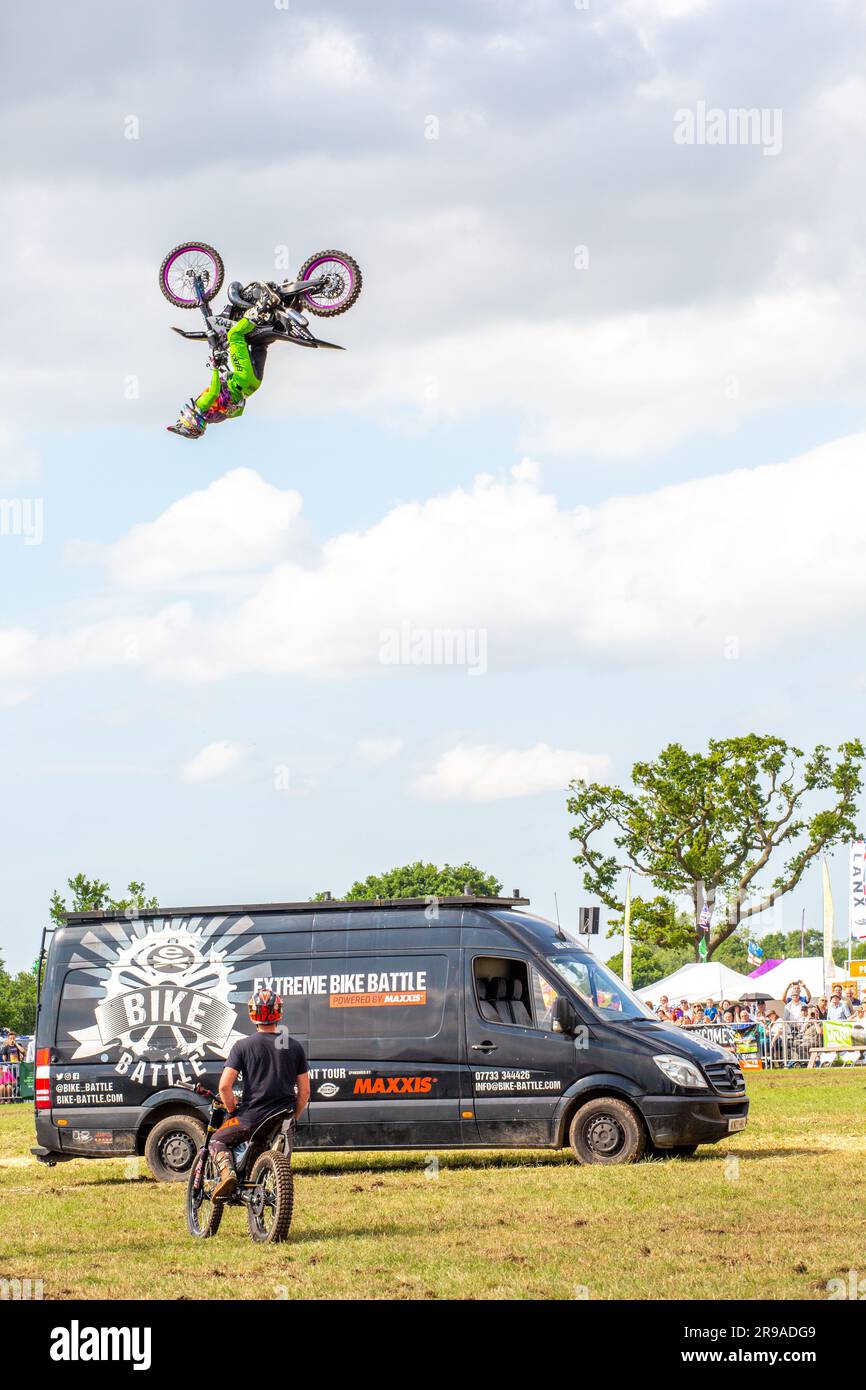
269, 1214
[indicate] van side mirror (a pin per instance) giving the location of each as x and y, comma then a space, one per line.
563, 1017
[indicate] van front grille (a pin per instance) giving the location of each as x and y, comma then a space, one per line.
726, 1077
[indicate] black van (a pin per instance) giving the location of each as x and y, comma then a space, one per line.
461, 1022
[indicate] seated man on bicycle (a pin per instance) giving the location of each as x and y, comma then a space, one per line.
275, 1077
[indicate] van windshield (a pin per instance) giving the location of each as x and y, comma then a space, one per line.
597, 985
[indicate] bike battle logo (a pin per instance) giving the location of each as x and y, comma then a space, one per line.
168, 992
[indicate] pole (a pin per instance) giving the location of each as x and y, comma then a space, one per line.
803, 932
626, 934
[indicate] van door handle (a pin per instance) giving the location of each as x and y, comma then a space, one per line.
485, 1047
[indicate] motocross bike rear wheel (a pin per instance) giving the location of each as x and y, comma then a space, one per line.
269, 1214
180, 268
203, 1214
343, 283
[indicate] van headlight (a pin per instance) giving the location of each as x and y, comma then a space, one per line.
680, 1072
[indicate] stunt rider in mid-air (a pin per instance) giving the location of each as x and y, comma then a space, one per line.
257, 315
226, 396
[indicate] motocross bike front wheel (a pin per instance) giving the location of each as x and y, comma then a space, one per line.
342, 283
269, 1213
182, 266
203, 1214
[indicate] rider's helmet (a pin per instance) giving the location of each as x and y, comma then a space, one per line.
265, 1006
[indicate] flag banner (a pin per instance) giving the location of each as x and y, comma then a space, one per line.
857, 891
739, 1038
829, 919
706, 918
702, 948
844, 1033
756, 953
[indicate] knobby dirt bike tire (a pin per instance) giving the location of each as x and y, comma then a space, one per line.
281, 1168
213, 290
202, 1231
324, 312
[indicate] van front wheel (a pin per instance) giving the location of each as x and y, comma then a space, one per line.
607, 1130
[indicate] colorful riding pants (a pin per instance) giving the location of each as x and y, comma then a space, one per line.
243, 379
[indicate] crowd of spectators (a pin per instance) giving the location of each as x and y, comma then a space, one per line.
787, 1032
12, 1054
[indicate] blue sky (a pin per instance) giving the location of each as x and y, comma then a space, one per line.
603, 403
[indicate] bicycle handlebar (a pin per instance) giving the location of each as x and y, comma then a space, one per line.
198, 1089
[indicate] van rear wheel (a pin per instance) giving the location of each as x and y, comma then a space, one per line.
607, 1131
171, 1147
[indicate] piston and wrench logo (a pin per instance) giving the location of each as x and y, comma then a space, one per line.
167, 993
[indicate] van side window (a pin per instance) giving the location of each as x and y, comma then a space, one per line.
543, 994
502, 991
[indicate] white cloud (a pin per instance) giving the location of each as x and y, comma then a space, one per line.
239, 522
214, 760
19, 461
692, 253
484, 772
753, 560
379, 750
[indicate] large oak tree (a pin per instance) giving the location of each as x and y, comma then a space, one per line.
713, 827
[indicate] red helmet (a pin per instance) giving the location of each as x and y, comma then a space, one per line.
265, 1007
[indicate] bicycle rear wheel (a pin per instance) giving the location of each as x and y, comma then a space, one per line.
203, 1214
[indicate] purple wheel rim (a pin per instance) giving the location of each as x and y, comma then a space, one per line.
186, 251
347, 270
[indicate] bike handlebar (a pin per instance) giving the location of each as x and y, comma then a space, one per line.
197, 1088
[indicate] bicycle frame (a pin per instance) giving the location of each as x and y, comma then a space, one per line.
246, 1192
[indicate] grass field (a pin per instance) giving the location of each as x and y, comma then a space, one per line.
773, 1213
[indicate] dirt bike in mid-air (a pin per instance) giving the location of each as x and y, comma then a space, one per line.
192, 275
264, 1169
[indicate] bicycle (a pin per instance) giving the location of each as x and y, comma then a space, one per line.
264, 1171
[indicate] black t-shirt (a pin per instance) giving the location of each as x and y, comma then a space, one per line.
270, 1064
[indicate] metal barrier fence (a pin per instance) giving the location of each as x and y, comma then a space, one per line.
790, 1043
16, 1082
10, 1081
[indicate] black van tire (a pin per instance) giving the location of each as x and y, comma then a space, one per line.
607, 1131
273, 1172
171, 1147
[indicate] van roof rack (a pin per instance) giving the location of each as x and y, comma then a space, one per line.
325, 904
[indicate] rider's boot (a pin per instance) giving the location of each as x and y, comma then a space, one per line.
190, 422
226, 1173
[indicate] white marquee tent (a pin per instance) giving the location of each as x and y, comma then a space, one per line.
809, 969
700, 981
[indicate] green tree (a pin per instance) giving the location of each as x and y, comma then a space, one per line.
649, 963
840, 953
17, 1000
420, 880
707, 826
91, 895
